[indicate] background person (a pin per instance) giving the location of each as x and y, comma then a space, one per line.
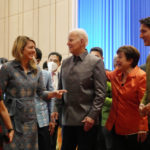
45, 67
2, 61
54, 62
45, 127
104, 137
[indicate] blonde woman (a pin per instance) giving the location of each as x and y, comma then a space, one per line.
20, 80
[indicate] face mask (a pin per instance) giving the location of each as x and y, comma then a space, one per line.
52, 66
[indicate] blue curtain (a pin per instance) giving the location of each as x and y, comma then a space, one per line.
113, 23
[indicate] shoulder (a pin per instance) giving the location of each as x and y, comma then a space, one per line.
140, 72
9, 65
93, 58
93, 61
140, 75
113, 72
45, 72
143, 67
67, 60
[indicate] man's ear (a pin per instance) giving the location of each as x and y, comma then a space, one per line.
82, 42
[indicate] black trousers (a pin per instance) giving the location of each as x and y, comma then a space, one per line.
44, 138
53, 139
75, 136
127, 142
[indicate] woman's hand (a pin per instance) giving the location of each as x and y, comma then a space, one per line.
11, 135
142, 135
58, 94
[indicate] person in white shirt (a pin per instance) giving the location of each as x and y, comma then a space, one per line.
53, 63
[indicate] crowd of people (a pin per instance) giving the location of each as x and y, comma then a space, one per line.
79, 106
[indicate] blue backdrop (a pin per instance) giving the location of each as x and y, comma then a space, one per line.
113, 23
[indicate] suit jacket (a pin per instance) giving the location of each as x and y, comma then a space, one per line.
146, 98
85, 81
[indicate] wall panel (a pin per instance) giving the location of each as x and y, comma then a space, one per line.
46, 21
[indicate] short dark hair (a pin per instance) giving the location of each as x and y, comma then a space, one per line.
45, 65
3, 60
145, 21
38, 53
130, 53
97, 49
57, 54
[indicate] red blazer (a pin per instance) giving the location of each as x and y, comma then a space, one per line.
124, 112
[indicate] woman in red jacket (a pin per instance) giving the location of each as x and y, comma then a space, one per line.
128, 87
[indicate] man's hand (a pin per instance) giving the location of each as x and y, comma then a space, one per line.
141, 110
144, 109
52, 127
88, 123
52, 124
54, 116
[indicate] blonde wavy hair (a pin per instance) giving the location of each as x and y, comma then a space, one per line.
17, 51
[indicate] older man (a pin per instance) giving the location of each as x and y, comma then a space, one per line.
83, 76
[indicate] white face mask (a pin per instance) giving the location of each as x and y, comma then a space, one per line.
52, 66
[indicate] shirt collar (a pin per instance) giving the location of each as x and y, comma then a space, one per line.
131, 74
81, 56
17, 64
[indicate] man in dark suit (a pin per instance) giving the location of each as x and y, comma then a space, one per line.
83, 76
